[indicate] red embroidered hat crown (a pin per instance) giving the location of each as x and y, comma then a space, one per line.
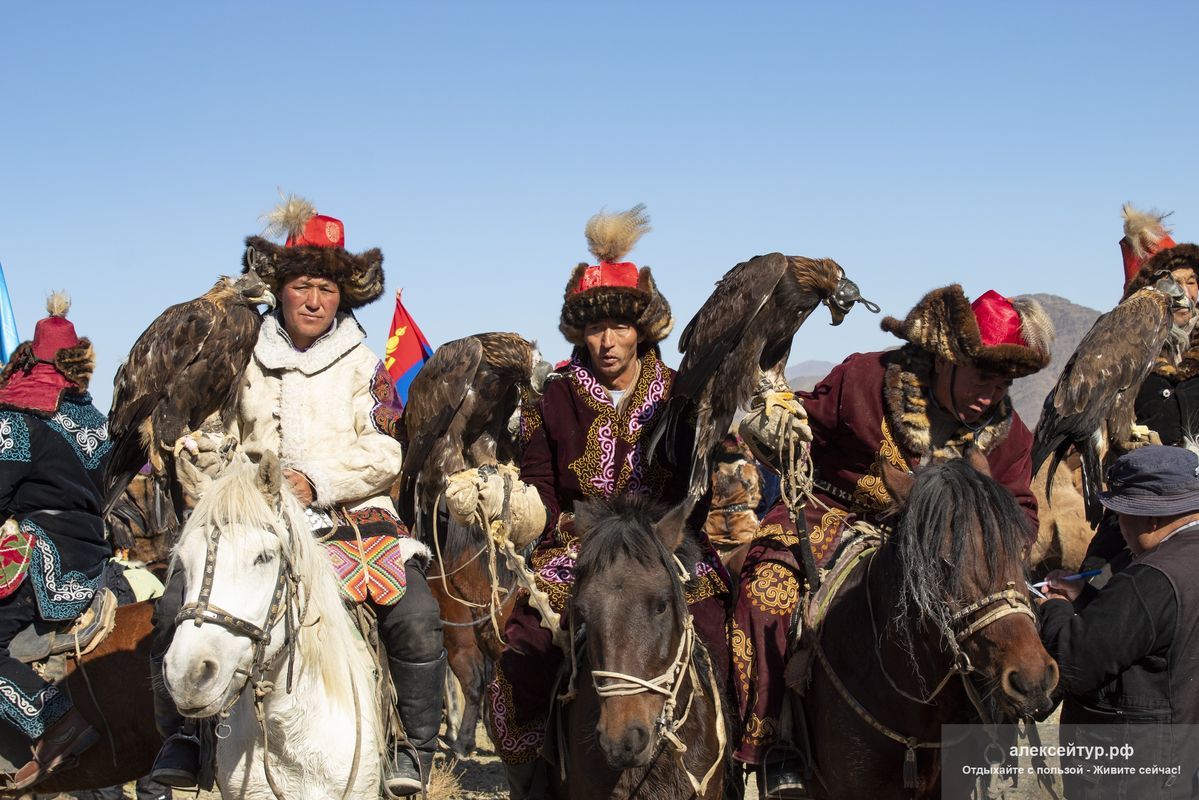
316, 246
614, 289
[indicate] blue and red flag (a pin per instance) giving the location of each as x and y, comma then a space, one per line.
407, 350
8, 323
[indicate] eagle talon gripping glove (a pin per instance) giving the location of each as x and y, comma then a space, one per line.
776, 418
474, 495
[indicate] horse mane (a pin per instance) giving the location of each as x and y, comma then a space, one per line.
334, 647
953, 497
461, 542
623, 527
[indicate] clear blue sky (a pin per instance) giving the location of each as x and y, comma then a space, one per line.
916, 143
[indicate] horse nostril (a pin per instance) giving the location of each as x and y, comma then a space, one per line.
635, 739
1051, 677
205, 672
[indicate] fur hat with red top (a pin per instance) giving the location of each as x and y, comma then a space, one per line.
993, 334
1145, 234
613, 289
56, 361
316, 247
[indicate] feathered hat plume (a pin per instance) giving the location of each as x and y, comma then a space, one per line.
58, 304
287, 220
1144, 229
610, 237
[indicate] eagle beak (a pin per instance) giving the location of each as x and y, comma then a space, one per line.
844, 298
268, 297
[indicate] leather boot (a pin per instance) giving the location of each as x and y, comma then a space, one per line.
419, 689
783, 776
58, 747
527, 781
178, 761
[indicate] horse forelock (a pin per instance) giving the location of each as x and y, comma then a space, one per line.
984, 526
327, 640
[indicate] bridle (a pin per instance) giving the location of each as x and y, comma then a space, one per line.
282, 608
668, 684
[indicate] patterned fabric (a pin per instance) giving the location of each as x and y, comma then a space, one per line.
377, 571
386, 413
32, 714
768, 596
59, 596
16, 548
518, 743
14, 437
84, 428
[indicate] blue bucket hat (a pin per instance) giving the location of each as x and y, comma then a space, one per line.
1153, 481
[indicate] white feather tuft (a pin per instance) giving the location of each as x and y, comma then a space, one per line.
289, 217
58, 304
1035, 323
610, 237
1144, 229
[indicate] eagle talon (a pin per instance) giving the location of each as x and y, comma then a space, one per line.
786, 401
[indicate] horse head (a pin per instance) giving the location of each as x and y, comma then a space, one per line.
956, 573
629, 595
236, 552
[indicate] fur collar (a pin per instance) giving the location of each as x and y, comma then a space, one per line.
275, 350
907, 384
1185, 369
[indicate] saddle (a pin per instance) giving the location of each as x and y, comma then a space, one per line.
42, 640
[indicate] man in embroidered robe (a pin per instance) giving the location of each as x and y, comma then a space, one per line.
943, 392
317, 397
53, 443
584, 439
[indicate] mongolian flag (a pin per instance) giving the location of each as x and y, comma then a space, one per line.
407, 350
8, 323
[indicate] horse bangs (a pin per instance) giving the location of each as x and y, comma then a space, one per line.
951, 496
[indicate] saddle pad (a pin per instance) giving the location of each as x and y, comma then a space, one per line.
16, 548
376, 572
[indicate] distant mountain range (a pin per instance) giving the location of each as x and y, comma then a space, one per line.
1028, 394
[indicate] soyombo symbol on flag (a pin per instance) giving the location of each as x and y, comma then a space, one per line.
407, 350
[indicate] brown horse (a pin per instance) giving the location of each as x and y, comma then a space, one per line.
117, 675
647, 721
930, 628
460, 578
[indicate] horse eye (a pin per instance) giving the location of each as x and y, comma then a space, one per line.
661, 607
264, 558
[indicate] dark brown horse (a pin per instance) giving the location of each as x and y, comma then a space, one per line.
460, 578
117, 675
647, 721
930, 628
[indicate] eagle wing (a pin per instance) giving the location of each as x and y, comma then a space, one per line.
434, 400
1092, 404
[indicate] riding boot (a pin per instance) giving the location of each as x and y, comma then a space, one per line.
178, 761
419, 688
527, 781
786, 771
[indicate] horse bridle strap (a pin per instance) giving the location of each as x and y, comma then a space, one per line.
1016, 603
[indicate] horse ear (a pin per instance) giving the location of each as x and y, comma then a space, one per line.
898, 482
976, 459
673, 526
586, 514
270, 477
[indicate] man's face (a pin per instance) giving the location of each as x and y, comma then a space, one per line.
1187, 280
612, 346
309, 306
968, 391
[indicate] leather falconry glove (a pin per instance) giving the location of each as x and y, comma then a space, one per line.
474, 494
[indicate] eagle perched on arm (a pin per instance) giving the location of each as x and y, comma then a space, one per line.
186, 366
1092, 406
458, 414
742, 335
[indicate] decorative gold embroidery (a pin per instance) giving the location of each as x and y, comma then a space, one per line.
871, 492
778, 533
827, 533
759, 732
774, 589
743, 658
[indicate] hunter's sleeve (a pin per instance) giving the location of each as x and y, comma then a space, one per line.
1011, 466
823, 405
537, 465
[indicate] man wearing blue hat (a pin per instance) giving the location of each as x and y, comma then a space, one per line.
1129, 653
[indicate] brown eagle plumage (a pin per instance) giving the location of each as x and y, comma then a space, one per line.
458, 411
186, 366
1092, 405
741, 334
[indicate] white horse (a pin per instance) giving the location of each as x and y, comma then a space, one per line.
252, 566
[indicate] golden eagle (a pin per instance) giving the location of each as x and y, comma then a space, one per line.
1092, 406
183, 368
458, 414
741, 335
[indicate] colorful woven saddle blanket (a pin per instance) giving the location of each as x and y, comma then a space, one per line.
369, 561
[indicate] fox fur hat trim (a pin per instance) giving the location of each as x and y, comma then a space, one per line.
944, 324
612, 289
315, 247
1182, 256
